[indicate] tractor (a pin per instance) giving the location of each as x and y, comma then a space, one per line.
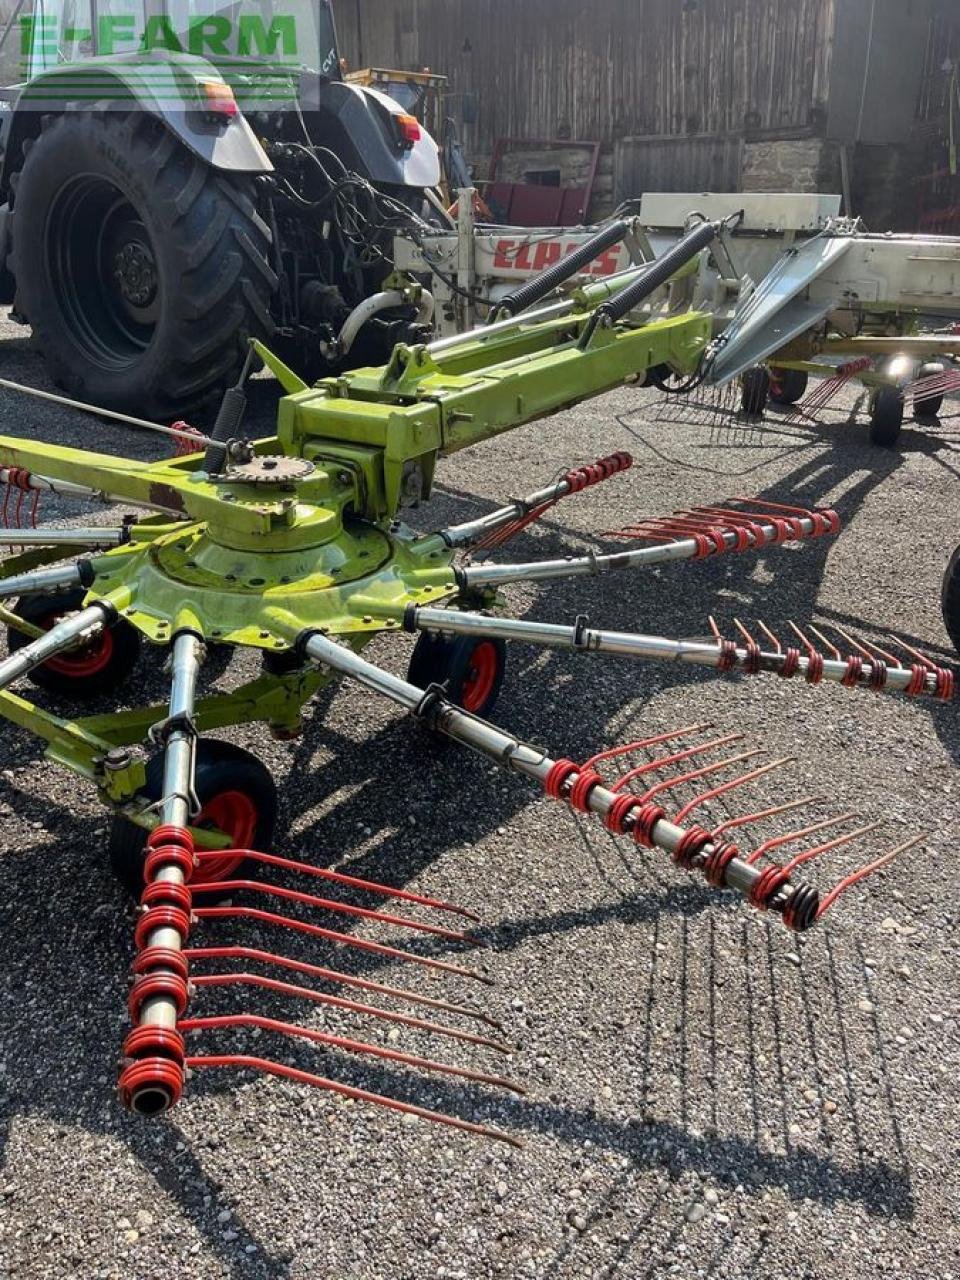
180, 178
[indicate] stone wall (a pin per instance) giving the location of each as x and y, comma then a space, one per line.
791, 164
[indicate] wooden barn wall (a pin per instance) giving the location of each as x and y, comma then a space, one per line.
609, 69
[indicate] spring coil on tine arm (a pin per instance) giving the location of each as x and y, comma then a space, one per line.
701, 849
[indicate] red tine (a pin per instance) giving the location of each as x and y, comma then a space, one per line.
834, 651
811, 649
220, 980
849, 881
915, 653
733, 784
670, 783
230, 1020
778, 842
745, 820
336, 877
861, 649
268, 1067
330, 935
774, 640
339, 908
337, 978
615, 752
655, 765
809, 854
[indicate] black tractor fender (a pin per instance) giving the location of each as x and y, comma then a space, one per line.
167, 85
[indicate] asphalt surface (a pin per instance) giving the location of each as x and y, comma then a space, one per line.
707, 1095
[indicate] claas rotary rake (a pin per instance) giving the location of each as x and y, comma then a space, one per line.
293, 546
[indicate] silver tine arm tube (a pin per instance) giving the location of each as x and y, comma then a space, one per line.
628, 644
82, 626
92, 537
178, 787
509, 752
494, 575
54, 579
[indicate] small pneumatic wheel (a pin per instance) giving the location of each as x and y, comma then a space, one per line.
788, 386
754, 391
85, 672
950, 599
886, 417
237, 796
929, 406
471, 668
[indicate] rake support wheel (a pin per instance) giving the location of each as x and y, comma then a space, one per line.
471, 669
788, 386
886, 417
103, 665
237, 795
950, 599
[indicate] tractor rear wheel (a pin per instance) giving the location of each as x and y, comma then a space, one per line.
950, 599
237, 796
141, 270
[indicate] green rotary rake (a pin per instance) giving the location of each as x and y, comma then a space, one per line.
294, 547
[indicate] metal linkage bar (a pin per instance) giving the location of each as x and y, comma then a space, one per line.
692, 535
723, 655
584, 789
17, 478
42, 580
79, 629
498, 526
95, 538
98, 412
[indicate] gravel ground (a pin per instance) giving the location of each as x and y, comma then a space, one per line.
707, 1095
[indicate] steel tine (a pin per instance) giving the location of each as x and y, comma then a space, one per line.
222, 980
826, 643
777, 842
670, 783
744, 820
337, 978
339, 908
279, 1069
774, 640
732, 785
849, 881
342, 939
655, 765
219, 1022
809, 854
339, 877
615, 752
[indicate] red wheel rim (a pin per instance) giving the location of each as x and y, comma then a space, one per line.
91, 660
235, 814
481, 676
